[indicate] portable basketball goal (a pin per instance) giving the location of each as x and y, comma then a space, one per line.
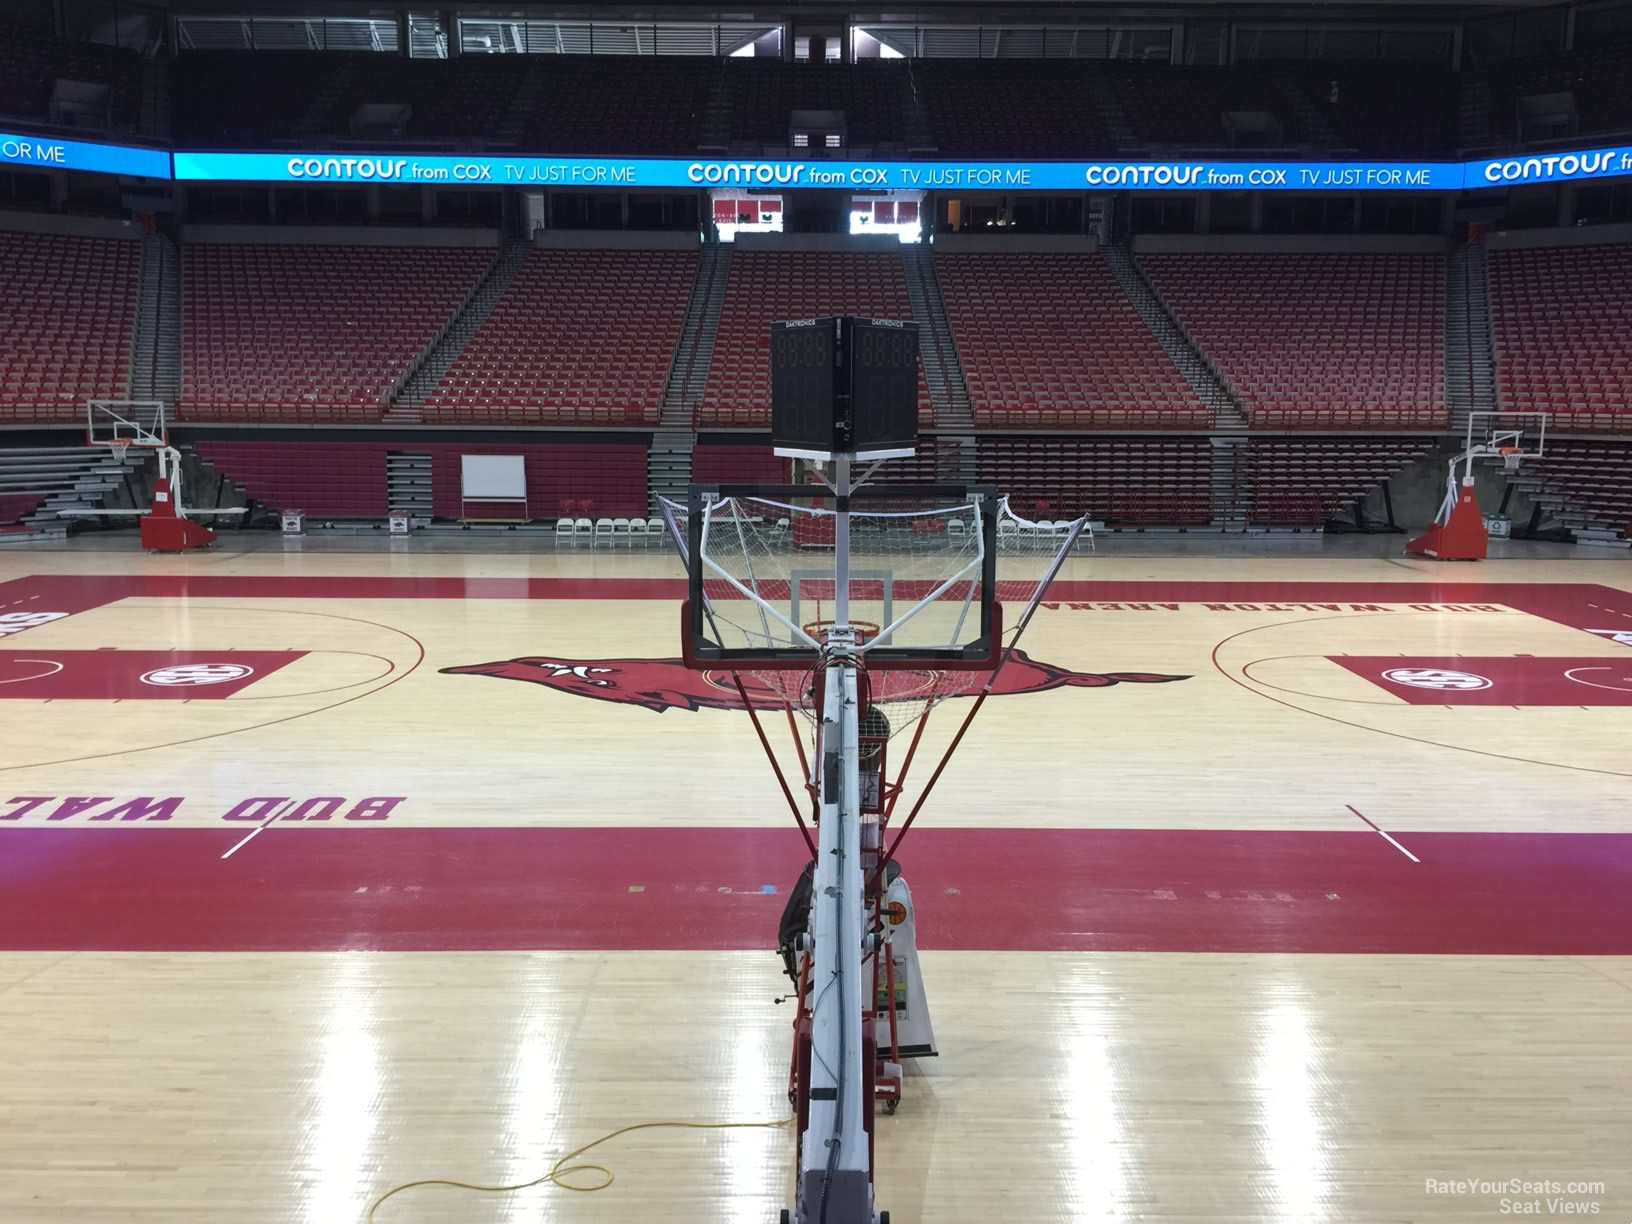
852, 610
1458, 532
123, 425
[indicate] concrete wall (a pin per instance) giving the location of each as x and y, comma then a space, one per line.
615, 240
339, 236
1070, 243
817, 242
1291, 244
1416, 492
73, 227
1576, 236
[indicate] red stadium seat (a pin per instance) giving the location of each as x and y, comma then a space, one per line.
579, 338
1560, 319
67, 315
766, 286
1317, 341
1121, 481
1050, 341
284, 333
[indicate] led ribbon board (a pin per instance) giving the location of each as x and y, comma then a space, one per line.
49, 153
1187, 175
1175, 175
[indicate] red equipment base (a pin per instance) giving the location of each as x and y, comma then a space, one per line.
163, 530
1461, 538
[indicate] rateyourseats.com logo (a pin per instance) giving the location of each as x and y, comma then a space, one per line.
1517, 1196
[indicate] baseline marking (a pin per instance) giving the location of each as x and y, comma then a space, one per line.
1369, 821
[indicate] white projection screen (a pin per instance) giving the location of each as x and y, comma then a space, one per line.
493, 483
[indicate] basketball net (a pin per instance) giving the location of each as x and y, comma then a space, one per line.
1511, 455
120, 448
915, 577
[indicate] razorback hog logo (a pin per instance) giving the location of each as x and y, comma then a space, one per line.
667, 684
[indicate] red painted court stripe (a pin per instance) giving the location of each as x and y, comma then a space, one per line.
1573, 603
79, 592
401, 889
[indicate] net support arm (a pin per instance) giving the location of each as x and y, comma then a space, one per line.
776, 766
980, 699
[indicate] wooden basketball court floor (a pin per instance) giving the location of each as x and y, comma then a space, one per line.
322, 872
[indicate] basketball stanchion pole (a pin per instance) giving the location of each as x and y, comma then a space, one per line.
165, 526
1458, 532
923, 626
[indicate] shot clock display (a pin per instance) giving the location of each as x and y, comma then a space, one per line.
844, 386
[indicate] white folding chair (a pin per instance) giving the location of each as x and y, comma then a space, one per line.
657, 531
637, 532
620, 530
1008, 531
563, 532
954, 528
603, 531
583, 531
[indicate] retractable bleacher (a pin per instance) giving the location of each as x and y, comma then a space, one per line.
1124, 482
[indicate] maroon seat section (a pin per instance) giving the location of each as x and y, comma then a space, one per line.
309, 333
1118, 480
342, 479
608, 477
738, 465
66, 320
13, 506
578, 338
1317, 341
1595, 478
1563, 328
1302, 482
1051, 341
348, 479
764, 287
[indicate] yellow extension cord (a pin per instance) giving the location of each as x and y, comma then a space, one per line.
561, 1170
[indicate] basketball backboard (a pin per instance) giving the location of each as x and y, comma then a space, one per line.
761, 563
1512, 435
121, 424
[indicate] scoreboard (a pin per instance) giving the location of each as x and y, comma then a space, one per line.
844, 386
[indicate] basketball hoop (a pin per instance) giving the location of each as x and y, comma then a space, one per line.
119, 447
865, 631
1511, 455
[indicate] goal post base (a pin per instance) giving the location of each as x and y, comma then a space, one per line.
164, 530
1461, 537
